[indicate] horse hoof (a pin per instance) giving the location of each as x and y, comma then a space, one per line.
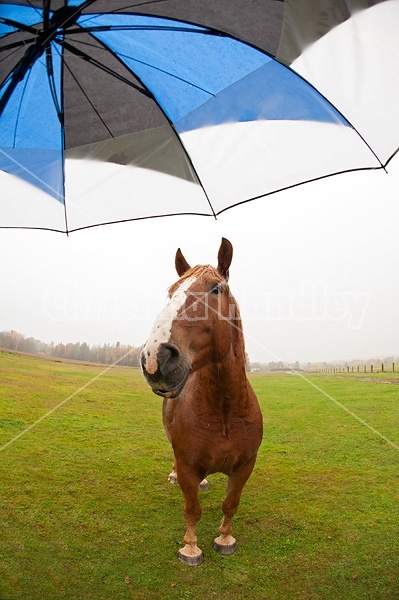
204, 485
189, 559
225, 549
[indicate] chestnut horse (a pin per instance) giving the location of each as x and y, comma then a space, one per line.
195, 359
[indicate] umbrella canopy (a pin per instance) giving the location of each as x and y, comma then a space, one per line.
115, 111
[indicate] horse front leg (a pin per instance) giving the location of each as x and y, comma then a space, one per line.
226, 543
190, 555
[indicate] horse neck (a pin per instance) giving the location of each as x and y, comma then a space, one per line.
227, 378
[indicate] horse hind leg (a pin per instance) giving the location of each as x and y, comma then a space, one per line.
226, 543
172, 478
204, 485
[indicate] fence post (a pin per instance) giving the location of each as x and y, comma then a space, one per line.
382, 367
372, 366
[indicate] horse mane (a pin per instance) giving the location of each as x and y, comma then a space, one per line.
200, 272
238, 335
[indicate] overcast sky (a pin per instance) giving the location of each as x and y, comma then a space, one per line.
315, 272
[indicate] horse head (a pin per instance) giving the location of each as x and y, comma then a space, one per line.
198, 326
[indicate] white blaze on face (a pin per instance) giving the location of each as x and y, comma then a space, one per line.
160, 333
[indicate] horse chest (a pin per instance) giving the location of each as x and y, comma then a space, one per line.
199, 419
217, 441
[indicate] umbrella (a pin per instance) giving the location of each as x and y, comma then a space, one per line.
123, 110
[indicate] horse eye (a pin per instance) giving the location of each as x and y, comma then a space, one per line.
216, 290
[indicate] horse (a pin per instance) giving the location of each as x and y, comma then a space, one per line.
195, 359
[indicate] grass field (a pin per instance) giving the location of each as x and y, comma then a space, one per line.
87, 512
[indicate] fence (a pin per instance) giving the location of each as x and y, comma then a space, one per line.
380, 368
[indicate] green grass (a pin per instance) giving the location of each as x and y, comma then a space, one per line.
87, 513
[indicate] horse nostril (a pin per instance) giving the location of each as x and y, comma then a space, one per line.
168, 358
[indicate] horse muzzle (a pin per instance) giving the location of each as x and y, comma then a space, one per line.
168, 376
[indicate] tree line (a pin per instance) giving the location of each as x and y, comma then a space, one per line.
101, 353
276, 366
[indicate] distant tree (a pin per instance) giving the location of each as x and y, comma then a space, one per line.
30, 346
100, 354
117, 353
134, 354
69, 350
17, 340
48, 349
84, 352
254, 366
59, 350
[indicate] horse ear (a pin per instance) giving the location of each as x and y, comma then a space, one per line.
225, 256
181, 264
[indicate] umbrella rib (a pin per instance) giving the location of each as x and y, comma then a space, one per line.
17, 45
214, 214
88, 99
50, 75
104, 68
17, 25
194, 85
96, 28
19, 110
391, 157
53, 92
169, 74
